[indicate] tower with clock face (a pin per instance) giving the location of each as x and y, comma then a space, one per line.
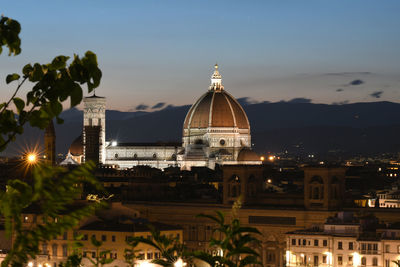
94, 128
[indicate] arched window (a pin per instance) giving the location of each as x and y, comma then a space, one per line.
363, 261
375, 261
316, 193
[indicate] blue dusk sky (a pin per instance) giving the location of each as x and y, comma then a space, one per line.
338, 51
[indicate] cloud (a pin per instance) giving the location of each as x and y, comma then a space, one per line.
300, 100
142, 107
356, 82
244, 101
339, 90
348, 73
376, 94
159, 105
169, 106
341, 102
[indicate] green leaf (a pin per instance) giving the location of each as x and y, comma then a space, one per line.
12, 77
76, 95
27, 69
58, 63
19, 104
37, 73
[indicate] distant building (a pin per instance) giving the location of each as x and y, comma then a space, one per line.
216, 130
344, 241
112, 227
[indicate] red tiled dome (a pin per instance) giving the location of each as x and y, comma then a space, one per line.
216, 108
76, 148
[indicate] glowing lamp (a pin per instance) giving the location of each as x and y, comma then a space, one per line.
114, 143
31, 158
179, 263
262, 158
271, 158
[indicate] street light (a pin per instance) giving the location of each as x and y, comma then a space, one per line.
179, 263
31, 158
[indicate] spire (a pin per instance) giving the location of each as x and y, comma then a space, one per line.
216, 80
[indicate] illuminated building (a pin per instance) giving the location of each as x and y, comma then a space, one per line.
216, 130
111, 227
344, 241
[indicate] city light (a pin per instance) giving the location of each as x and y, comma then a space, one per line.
31, 158
262, 158
179, 263
114, 143
30, 264
288, 256
145, 264
356, 259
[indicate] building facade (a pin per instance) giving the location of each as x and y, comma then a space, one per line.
216, 130
344, 242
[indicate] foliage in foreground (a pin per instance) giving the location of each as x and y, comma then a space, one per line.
170, 248
234, 242
51, 190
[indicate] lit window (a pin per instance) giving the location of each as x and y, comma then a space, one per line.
340, 260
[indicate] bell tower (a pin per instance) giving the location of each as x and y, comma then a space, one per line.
50, 144
94, 128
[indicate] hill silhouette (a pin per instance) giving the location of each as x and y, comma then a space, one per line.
360, 127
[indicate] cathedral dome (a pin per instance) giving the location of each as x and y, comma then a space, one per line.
76, 148
216, 108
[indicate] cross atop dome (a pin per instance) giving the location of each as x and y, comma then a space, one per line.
216, 80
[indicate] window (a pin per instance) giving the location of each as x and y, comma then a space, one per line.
398, 249
375, 246
149, 255
113, 238
316, 260
65, 236
374, 261
316, 242
85, 237
351, 246
350, 260
340, 260
65, 250
293, 242
93, 254
304, 242
93, 236
300, 243
54, 248
44, 248
364, 261
387, 263
340, 245
325, 243
103, 238
324, 259
387, 248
